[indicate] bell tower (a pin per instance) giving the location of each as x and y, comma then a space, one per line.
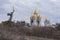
47, 22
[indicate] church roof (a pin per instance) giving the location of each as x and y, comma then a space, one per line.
35, 15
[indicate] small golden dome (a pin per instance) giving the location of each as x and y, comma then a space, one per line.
46, 19
39, 16
32, 17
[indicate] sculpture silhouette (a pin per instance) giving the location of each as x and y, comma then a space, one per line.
9, 21
11, 15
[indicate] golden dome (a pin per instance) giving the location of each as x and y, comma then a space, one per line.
46, 19
32, 17
39, 16
35, 13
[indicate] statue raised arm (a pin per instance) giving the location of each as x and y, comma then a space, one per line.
11, 15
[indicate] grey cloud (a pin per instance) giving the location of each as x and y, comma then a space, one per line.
25, 8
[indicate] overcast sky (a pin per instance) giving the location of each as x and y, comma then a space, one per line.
25, 8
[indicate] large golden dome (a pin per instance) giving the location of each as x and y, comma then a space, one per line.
35, 13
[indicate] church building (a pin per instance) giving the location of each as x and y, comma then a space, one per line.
35, 19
